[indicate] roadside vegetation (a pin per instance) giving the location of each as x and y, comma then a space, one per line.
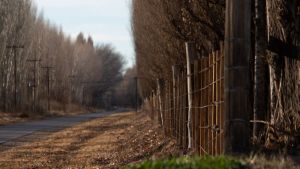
58, 110
40, 64
221, 162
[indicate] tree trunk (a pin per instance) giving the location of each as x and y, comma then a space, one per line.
237, 76
260, 69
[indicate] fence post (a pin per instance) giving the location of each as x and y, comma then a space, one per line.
160, 88
154, 105
237, 76
190, 56
175, 70
196, 103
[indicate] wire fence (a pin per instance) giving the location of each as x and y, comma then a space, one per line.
168, 105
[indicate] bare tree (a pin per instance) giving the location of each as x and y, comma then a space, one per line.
21, 25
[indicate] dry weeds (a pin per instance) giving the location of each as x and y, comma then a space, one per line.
58, 110
272, 162
108, 142
8, 118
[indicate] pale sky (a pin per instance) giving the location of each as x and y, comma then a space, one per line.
106, 21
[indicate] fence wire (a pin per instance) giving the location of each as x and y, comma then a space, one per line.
169, 107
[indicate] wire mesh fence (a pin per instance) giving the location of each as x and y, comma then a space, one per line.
168, 105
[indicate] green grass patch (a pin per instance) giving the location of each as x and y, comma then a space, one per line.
221, 162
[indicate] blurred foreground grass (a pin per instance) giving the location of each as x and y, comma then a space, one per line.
221, 162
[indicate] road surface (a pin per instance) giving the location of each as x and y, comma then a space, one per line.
13, 132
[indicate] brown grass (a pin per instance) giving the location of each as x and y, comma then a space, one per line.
109, 142
272, 162
8, 118
57, 110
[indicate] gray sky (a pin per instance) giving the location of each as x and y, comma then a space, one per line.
107, 21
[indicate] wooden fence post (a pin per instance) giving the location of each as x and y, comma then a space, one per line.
175, 70
237, 76
196, 101
152, 106
190, 56
160, 89
178, 109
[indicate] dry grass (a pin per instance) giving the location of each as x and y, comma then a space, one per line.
273, 162
8, 118
58, 110
108, 142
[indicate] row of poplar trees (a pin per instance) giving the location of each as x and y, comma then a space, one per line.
39, 62
160, 28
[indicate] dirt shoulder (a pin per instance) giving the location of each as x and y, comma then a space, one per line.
109, 142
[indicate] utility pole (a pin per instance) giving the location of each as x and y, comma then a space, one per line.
34, 61
237, 76
14, 48
48, 68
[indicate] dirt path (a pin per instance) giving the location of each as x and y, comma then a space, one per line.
108, 142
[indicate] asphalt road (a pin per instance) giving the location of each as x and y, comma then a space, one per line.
13, 132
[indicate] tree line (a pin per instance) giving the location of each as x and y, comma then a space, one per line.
161, 27
39, 62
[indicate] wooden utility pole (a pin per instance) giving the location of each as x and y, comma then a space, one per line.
190, 56
34, 61
48, 68
14, 48
237, 76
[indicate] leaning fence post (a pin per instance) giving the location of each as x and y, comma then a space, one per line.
160, 86
190, 56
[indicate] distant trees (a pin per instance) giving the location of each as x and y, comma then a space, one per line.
160, 28
126, 92
80, 72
